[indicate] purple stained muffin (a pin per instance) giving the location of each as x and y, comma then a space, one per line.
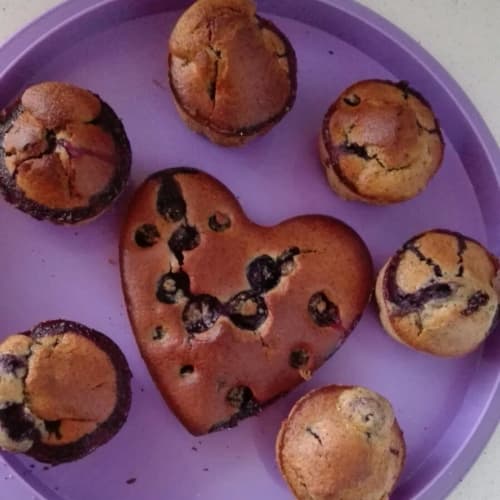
64, 154
64, 391
440, 293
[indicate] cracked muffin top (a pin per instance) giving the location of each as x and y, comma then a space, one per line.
380, 143
440, 293
341, 443
52, 407
64, 155
228, 314
232, 73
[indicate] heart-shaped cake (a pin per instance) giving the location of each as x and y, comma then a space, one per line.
229, 315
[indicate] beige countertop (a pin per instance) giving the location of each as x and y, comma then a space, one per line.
464, 35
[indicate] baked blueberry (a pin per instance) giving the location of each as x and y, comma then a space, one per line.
247, 310
201, 313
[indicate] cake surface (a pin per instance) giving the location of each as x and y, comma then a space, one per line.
341, 443
380, 143
440, 293
64, 154
229, 315
64, 391
232, 73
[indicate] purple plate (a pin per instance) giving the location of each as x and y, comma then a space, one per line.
447, 408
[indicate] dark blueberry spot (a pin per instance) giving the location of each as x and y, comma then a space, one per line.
356, 149
409, 302
475, 302
322, 310
394, 451
352, 100
53, 427
186, 370
170, 203
286, 260
17, 423
298, 358
241, 398
9, 363
247, 310
159, 333
147, 235
460, 271
201, 313
184, 238
172, 287
219, 222
263, 274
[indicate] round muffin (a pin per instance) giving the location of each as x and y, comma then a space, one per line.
341, 443
64, 154
380, 143
439, 293
64, 391
232, 73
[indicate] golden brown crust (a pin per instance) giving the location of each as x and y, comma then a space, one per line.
232, 74
438, 294
310, 262
341, 442
380, 143
64, 390
62, 150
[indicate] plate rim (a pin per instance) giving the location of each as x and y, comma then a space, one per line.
43, 27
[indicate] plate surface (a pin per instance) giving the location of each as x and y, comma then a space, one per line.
447, 408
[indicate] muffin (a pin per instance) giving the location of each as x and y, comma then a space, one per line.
64, 391
64, 154
341, 443
439, 293
380, 143
232, 73
229, 315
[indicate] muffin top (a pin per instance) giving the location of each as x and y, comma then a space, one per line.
231, 70
51, 404
382, 141
440, 293
63, 151
341, 443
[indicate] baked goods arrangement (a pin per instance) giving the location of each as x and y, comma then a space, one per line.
229, 315
341, 443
